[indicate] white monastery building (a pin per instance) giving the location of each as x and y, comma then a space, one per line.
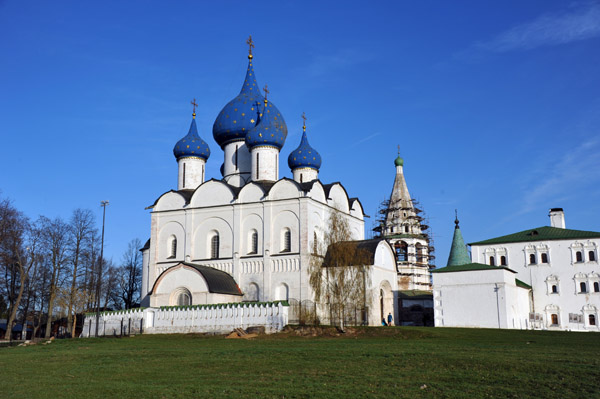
542, 278
248, 236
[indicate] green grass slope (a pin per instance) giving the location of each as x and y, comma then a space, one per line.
375, 362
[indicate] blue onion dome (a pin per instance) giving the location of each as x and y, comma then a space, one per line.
304, 156
192, 145
271, 129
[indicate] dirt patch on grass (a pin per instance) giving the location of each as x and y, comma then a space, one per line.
351, 332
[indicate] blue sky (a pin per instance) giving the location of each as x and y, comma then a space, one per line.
496, 106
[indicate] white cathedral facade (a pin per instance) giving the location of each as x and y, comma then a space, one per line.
249, 235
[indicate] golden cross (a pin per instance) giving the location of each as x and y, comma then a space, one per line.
250, 44
194, 104
398, 149
266, 92
304, 122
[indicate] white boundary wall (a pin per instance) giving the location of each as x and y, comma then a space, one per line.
216, 319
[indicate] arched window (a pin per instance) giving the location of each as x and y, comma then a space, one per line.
492, 261
254, 242
503, 260
183, 175
592, 320
184, 299
421, 258
214, 246
315, 243
578, 256
554, 289
596, 287
544, 258
532, 259
554, 317
582, 287
287, 240
406, 229
173, 248
401, 251
257, 165
592, 256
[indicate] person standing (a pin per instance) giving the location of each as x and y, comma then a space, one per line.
389, 319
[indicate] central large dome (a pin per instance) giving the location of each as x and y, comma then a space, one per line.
242, 114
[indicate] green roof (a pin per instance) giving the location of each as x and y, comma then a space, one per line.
470, 267
458, 251
522, 284
540, 234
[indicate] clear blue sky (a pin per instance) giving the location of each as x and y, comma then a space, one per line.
496, 106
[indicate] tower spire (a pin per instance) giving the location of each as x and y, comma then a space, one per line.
250, 44
458, 251
303, 122
194, 104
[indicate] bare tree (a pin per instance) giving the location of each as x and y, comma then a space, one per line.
16, 258
338, 273
55, 237
131, 274
82, 231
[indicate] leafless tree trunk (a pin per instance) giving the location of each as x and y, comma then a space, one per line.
82, 229
131, 274
55, 236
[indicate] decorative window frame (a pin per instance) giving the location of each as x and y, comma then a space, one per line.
593, 278
581, 278
174, 297
588, 247
543, 249
577, 247
528, 251
550, 281
588, 310
496, 254
550, 310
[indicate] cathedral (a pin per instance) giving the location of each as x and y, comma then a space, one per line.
248, 236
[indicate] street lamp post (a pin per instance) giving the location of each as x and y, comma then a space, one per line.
103, 205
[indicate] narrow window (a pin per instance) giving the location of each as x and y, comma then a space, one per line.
301, 178
184, 175
592, 256
596, 287
257, 161
287, 241
406, 229
254, 247
554, 319
592, 320
503, 260
236, 157
579, 256
544, 258
202, 172
401, 251
492, 261
173, 248
554, 289
532, 259
214, 247
315, 242
582, 288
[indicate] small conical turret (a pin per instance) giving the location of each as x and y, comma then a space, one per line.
458, 251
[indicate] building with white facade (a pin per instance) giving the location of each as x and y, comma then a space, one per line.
249, 235
541, 278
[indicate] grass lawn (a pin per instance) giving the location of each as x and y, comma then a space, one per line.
376, 362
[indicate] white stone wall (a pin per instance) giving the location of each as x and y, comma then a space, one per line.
561, 269
265, 163
191, 173
200, 319
305, 175
270, 273
236, 165
481, 298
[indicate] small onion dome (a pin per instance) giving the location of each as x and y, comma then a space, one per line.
304, 156
399, 161
270, 131
191, 145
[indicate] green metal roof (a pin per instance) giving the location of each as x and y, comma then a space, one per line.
522, 284
458, 252
540, 234
470, 267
